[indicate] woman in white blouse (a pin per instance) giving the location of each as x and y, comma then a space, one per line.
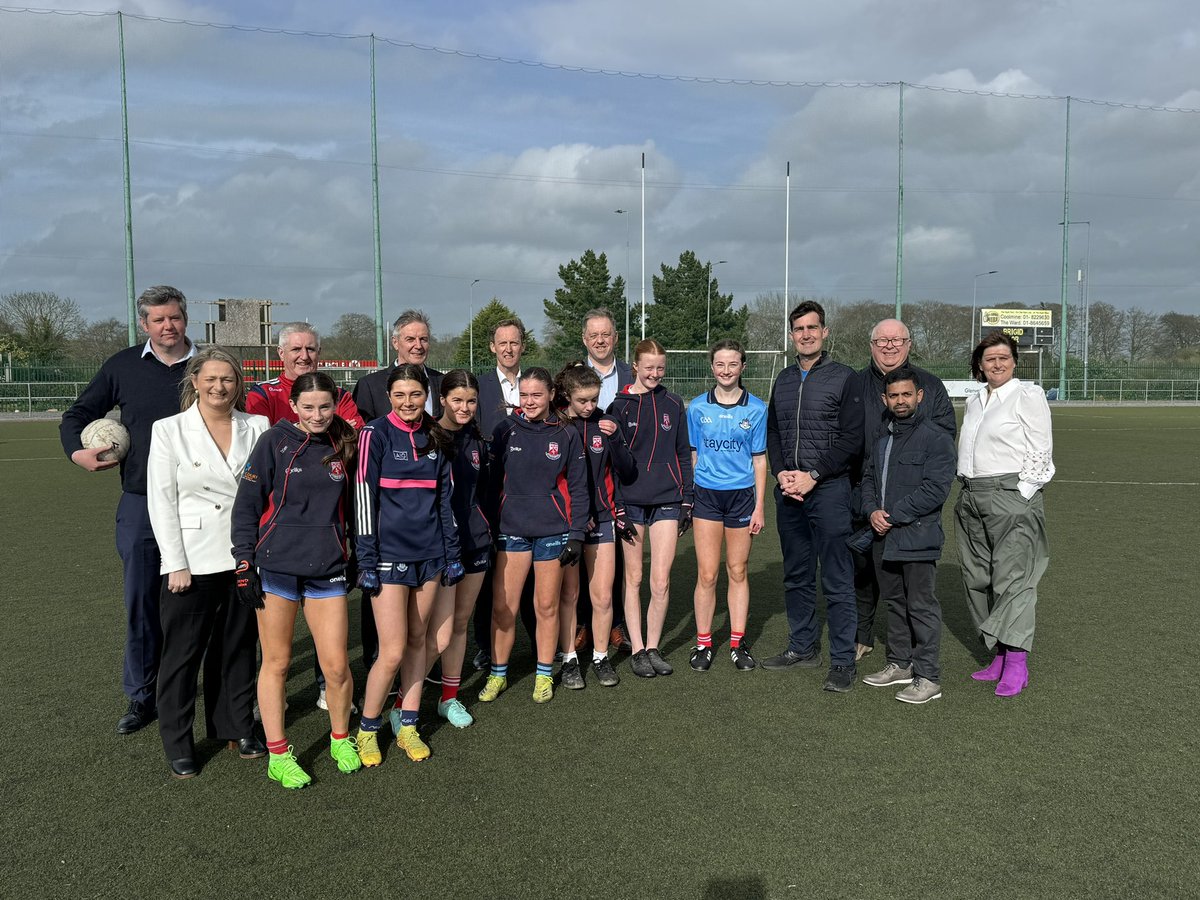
196, 459
1004, 460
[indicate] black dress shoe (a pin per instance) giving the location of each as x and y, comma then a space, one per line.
790, 659
184, 767
137, 717
249, 747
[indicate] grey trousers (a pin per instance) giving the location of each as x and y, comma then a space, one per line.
914, 616
1003, 553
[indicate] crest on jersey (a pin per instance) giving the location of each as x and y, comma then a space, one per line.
597, 444
666, 422
744, 424
475, 459
337, 472
401, 455
552, 451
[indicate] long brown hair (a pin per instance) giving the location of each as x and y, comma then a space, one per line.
439, 438
341, 433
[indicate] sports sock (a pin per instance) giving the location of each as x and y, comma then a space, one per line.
279, 747
366, 723
546, 669
450, 687
334, 736
704, 640
598, 655
500, 670
408, 717
570, 657
735, 638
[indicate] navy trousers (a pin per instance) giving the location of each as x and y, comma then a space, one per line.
815, 529
143, 583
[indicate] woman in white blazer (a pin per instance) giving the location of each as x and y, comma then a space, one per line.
196, 459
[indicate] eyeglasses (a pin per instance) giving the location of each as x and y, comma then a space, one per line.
891, 342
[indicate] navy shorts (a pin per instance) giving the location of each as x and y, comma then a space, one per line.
544, 548
299, 587
604, 533
476, 561
648, 515
412, 574
734, 508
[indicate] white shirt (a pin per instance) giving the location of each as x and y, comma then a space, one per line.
1007, 431
608, 383
148, 350
510, 389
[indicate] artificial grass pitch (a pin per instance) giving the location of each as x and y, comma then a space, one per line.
720, 785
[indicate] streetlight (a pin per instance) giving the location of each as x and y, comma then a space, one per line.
621, 212
471, 324
974, 295
708, 301
1084, 279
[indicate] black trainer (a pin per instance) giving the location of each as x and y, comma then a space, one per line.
790, 659
640, 664
741, 657
701, 659
840, 679
605, 673
661, 666
572, 678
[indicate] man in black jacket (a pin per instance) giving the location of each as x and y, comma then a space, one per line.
814, 434
890, 346
906, 480
410, 340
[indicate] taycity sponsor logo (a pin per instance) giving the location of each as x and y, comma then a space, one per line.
722, 444
744, 425
552, 451
337, 472
666, 421
401, 455
597, 443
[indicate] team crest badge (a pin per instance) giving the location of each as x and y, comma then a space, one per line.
744, 424
401, 455
475, 459
597, 444
337, 471
552, 451
666, 422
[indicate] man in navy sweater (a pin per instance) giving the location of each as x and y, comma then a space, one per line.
143, 381
814, 434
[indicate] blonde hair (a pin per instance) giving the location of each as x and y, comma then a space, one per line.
187, 389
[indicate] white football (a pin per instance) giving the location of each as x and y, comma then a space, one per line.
107, 433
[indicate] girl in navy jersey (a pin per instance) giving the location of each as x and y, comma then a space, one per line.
290, 549
609, 462
447, 633
658, 501
539, 489
407, 542
728, 430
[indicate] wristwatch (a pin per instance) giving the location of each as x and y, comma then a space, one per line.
814, 474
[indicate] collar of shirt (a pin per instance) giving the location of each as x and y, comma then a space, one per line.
510, 389
612, 370
1001, 393
148, 350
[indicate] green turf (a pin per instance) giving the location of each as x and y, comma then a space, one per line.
725, 785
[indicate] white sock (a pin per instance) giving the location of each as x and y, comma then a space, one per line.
598, 655
570, 657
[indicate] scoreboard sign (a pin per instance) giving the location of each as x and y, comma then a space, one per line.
1028, 327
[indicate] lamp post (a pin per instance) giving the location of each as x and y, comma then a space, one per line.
1084, 279
708, 300
624, 212
471, 324
974, 296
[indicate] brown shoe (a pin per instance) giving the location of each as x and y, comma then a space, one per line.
861, 650
581, 638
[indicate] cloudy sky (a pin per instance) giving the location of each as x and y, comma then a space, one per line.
250, 151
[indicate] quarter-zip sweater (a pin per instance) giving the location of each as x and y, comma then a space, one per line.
609, 464
815, 421
538, 478
402, 496
654, 425
290, 512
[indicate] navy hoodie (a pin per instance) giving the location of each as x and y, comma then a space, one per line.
538, 478
289, 516
654, 425
470, 471
609, 463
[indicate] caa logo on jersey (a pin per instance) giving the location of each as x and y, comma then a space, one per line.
744, 424
552, 451
337, 471
597, 444
666, 422
475, 459
401, 455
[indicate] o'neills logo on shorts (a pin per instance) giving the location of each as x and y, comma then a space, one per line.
552, 451
666, 422
337, 471
597, 444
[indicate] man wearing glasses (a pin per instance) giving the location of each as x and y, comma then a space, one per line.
890, 346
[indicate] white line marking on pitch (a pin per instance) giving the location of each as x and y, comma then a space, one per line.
1143, 483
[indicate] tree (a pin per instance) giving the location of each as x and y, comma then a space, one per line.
688, 303
100, 340
766, 322
941, 332
1141, 333
586, 286
41, 321
1179, 335
352, 337
1105, 325
479, 331
850, 329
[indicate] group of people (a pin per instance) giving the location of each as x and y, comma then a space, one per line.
447, 498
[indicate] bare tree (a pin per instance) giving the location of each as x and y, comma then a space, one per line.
41, 321
1141, 333
1105, 326
1178, 335
940, 331
99, 340
352, 337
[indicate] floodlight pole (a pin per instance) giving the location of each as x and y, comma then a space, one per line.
1066, 220
133, 335
708, 302
643, 246
625, 212
379, 343
974, 294
787, 246
471, 324
900, 210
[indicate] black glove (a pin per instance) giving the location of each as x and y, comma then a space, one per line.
368, 580
249, 585
624, 530
453, 573
571, 553
861, 540
685, 518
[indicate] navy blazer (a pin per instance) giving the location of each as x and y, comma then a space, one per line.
492, 410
